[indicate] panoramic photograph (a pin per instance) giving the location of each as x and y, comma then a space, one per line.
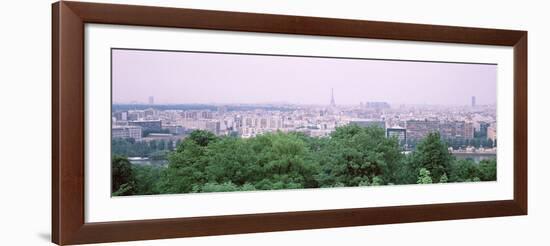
200, 122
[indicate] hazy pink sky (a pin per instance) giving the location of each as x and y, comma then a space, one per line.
183, 77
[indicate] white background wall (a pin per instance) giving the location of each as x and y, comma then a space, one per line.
25, 122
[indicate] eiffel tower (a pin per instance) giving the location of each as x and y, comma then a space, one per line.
332, 103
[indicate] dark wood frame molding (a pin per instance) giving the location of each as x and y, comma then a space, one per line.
68, 224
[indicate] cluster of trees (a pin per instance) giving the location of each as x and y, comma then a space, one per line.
155, 149
351, 156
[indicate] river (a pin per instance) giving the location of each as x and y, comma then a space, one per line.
147, 162
476, 157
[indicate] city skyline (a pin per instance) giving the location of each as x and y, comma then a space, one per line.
144, 102
206, 78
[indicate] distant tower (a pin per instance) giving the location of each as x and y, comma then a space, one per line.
151, 100
473, 101
332, 103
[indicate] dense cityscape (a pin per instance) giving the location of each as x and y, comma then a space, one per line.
467, 129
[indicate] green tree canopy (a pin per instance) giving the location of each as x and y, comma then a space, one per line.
433, 155
488, 170
351, 156
356, 155
464, 171
202, 138
424, 177
122, 182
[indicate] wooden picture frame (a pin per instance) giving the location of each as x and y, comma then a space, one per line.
68, 123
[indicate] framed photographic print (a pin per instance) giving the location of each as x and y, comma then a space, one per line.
174, 122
